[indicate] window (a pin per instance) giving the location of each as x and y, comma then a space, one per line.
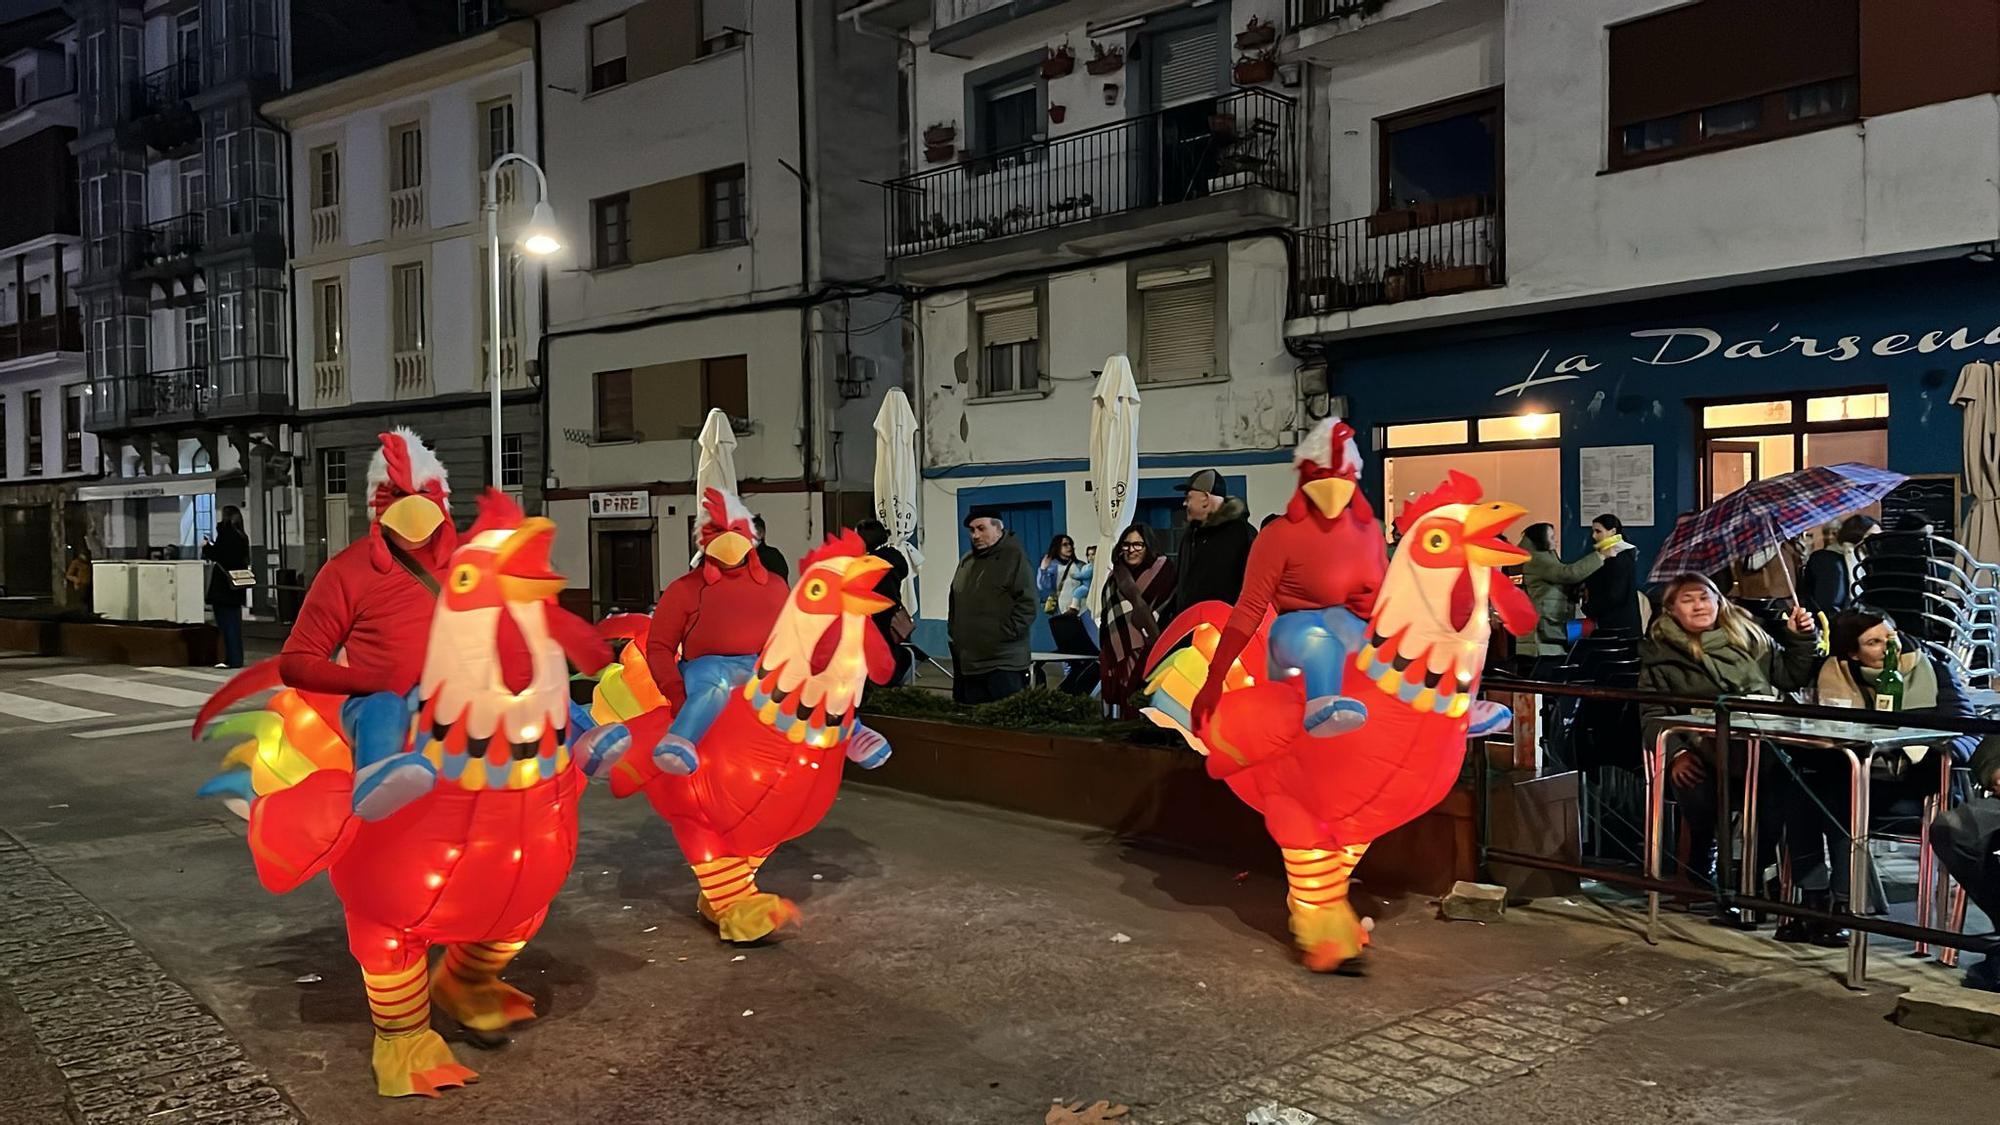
1768, 68
333, 472
187, 32
1420, 435
1008, 329
204, 516
1444, 154
510, 295
1176, 323
193, 184
722, 25
607, 54
406, 157
511, 461
1009, 113
1748, 441
496, 120
328, 322
31, 413
229, 325
408, 290
1533, 426
228, 183
725, 386
614, 405
611, 221
722, 206
194, 337
72, 429
323, 164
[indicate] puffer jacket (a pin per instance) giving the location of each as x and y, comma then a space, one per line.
1551, 585
1668, 664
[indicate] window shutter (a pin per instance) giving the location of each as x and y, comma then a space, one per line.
1010, 326
607, 41
1189, 63
1177, 332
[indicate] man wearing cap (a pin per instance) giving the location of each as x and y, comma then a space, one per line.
1215, 549
992, 609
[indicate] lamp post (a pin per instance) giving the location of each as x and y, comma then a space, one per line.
537, 239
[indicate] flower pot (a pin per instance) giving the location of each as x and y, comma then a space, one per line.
940, 153
1252, 72
1055, 66
1257, 35
940, 135
1452, 279
1108, 63
1057, 113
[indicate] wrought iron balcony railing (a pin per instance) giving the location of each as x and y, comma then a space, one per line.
1240, 140
1427, 251
167, 89
170, 241
1305, 13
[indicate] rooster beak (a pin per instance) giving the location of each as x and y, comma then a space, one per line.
1482, 524
857, 589
1329, 494
523, 562
415, 518
728, 548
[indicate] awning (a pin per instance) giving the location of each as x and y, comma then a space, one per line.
141, 488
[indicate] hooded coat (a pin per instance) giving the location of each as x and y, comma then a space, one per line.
1214, 555
1551, 585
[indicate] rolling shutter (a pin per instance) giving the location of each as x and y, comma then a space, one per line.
1177, 324
1189, 65
1012, 319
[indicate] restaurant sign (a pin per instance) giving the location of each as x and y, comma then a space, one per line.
616, 505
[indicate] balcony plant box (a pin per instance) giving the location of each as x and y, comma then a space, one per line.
1104, 62
940, 134
1451, 279
1400, 283
940, 154
1255, 70
1060, 61
1257, 33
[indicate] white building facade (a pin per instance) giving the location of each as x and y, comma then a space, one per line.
391, 271
707, 163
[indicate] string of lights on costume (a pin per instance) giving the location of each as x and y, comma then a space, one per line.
1417, 674
771, 760
474, 829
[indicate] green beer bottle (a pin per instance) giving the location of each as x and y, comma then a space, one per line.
1889, 685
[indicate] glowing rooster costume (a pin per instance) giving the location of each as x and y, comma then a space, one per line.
771, 760
467, 848
1325, 800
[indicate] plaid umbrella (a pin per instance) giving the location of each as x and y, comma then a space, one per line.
1765, 513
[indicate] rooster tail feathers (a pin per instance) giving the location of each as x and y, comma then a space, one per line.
261, 676
1214, 614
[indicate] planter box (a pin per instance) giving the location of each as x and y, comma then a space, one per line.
1056, 66
940, 134
1155, 793
1453, 279
172, 646
1254, 72
940, 153
28, 634
1251, 38
1106, 64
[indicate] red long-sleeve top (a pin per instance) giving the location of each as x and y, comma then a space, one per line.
381, 616
710, 611
1307, 563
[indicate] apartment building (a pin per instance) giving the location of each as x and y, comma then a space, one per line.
709, 162
44, 452
390, 272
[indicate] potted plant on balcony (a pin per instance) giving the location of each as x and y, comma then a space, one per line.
940, 154
1016, 219
1060, 61
1103, 61
1057, 113
1256, 69
1402, 281
1257, 33
1440, 277
942, 133
1073, 207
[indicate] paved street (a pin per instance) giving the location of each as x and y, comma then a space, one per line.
956, 966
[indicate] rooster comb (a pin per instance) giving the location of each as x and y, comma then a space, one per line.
846, 545
1457, 488
1328, 444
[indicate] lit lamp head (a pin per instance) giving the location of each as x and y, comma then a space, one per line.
539, 238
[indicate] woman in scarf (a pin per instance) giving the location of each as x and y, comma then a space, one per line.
1139, 586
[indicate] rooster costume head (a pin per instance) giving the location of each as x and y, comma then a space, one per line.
728, 534
824, 648
1451, 546
1329, 468
408, 493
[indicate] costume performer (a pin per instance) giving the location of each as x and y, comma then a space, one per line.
469, 842
1417, 674
771, 758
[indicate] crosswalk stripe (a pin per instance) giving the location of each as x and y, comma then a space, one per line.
126, 689
44, 710
192, 674
143, 728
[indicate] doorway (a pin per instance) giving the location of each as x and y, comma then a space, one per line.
1751, 440
625, 570
1182, 72
29, 550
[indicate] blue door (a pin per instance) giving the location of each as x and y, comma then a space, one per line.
1033, 514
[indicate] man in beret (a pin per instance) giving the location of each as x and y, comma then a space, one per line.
992, 610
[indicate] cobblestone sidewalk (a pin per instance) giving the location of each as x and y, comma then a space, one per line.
132, 1044
1398, 1070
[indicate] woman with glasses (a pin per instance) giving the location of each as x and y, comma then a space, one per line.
1136, 592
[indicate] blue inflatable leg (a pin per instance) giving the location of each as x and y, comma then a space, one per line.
1313, 645
867, 748
709, 681
1487, 717
377, 726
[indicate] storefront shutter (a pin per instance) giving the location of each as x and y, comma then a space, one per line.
1189, 63
1177, 331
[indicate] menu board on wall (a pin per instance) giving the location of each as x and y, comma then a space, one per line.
1934, 496
1617, 479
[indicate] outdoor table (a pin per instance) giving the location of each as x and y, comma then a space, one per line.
1862, 744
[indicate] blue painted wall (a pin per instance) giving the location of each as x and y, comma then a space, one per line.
1898, 329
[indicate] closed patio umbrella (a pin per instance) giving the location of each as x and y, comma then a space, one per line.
1978, 395
1114, 463
717, 447
896, 483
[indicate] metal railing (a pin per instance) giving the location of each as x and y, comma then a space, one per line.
158, 396
1240, 140
1305, 13
167, 89
1392, 256
170, 240
41, 335
325, 225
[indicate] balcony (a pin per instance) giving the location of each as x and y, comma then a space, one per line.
325, 223
1215, 168
1306, 13
241, 388
969, 26
1436, 248
329, 382
169, 247
513, 376
410, 374
40, 336
406, 209
160, 110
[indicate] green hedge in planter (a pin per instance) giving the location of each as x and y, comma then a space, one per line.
1038, 709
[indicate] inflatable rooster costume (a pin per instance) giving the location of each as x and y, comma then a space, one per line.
1412, 668
469, 840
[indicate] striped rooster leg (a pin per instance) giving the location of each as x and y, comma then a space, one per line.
1324, 924
731, 902
467, 985
409, 1057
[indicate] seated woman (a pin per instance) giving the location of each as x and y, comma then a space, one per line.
1703, 645
1847, 678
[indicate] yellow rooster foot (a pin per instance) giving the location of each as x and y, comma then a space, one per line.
1330, 936
753, 918
485, 1009
417, 1063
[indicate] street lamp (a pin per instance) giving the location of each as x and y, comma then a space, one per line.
538, 239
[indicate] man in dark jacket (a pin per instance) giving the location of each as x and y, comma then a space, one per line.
1611, 596
1215, 548
1964, 838
992, 609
